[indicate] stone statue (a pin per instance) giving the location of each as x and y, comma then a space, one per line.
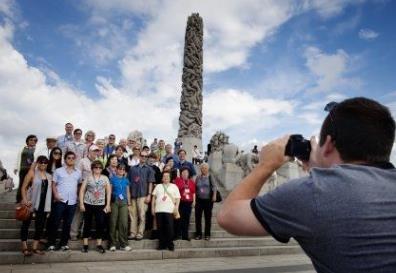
137, 136
218, 140
247, 161
190, 120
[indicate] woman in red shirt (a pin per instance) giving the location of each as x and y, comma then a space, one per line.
187, 202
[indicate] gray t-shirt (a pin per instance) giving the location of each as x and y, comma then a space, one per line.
203, 189
343, 217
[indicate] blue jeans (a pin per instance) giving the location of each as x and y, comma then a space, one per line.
65, 212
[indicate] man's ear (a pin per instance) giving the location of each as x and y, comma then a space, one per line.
328, 147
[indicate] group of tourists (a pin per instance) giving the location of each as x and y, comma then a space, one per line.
133, 191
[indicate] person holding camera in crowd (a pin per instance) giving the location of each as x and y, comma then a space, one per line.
343, 213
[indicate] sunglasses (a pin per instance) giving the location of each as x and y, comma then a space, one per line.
112, 138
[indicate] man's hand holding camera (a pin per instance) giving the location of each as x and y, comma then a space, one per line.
273, 154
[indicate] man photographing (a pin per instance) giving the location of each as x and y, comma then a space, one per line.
343, 214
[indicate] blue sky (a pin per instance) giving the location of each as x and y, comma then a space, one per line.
115, 66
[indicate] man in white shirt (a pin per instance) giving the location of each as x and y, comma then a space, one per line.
64, 186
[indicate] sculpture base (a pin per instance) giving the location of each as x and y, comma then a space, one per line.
188, 145
231, 175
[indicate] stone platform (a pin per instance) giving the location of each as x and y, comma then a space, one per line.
222, 244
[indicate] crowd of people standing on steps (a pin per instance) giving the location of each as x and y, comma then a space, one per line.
131, 190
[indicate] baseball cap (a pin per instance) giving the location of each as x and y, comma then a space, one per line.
93, 148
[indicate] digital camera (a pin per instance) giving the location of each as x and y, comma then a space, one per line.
298, 147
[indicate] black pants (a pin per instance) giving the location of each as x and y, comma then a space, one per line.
41, 216
149, 218
204, 206
90, 212
165, 229
22, 174
65, 212
184, 221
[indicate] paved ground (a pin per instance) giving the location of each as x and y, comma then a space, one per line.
268, 264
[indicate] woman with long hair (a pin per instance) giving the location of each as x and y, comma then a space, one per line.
55, 160
39, 182
111, 166
95, 194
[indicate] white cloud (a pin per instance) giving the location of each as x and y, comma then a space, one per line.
327, 9
368, 34
7, 7
36, 100
329, 70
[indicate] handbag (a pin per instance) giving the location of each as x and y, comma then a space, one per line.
22, 212
218, 195
176, 214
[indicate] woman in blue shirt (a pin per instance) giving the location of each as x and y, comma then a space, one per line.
120, 200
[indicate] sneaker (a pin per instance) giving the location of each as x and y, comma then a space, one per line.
198, 237
207, 238
127, 248
131, 237
113, 248
51, 248
65, 248
139, 237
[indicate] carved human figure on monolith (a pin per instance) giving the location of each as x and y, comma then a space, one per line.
190, 119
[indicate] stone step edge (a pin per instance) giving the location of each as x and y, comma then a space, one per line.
11, 257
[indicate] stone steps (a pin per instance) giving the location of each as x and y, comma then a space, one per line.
222, 244
15, 233
13, 257
15, 244
15, 224
10, 214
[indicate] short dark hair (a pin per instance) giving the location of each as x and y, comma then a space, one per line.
77, 130
109, 159
152, 155
42, 158
96, 163
30, 137
119, 147
121, 166
362, 130
181, 150
68, 153
168, 159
